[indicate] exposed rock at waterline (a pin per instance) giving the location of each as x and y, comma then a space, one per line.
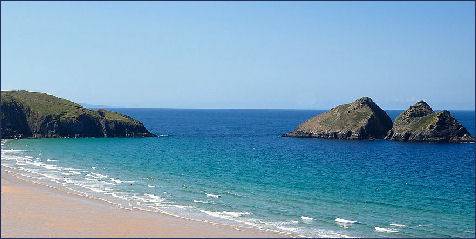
361, 119
421, 123
38, 115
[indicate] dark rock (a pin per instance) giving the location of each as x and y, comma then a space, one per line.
37, 115
14, 120
421, 123
361, 119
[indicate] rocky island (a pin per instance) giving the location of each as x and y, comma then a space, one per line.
421, 123
361, 119
27, 114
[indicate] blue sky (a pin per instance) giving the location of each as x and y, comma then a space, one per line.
305, 55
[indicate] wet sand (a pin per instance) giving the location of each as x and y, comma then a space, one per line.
33, 210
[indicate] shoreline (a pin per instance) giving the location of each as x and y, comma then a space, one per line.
25, 204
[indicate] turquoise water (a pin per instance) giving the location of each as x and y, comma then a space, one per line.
232, 167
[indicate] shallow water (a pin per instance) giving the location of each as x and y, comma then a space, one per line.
232, 166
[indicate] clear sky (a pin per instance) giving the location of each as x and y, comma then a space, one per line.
306, 55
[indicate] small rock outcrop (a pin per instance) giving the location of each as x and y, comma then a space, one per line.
38, 115
361, 119
421, 123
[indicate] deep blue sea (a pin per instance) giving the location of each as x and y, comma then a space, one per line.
233, 167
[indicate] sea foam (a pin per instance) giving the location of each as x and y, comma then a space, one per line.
225, 214
344, 222
307, 219
204, 202
212, 195
397, 225
386, 230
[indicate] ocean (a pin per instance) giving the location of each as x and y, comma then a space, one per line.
233, 167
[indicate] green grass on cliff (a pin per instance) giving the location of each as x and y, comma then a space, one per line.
42, 105
416, 124
113, 116
343, 117
424, 122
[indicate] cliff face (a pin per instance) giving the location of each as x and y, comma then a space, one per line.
361, 119
14, 119
29, 114
421, 123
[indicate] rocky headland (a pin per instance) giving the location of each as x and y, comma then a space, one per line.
421, 123
27, 114
361, 119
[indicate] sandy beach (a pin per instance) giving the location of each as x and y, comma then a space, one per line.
32, 210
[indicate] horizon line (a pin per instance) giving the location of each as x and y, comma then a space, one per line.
303, 109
